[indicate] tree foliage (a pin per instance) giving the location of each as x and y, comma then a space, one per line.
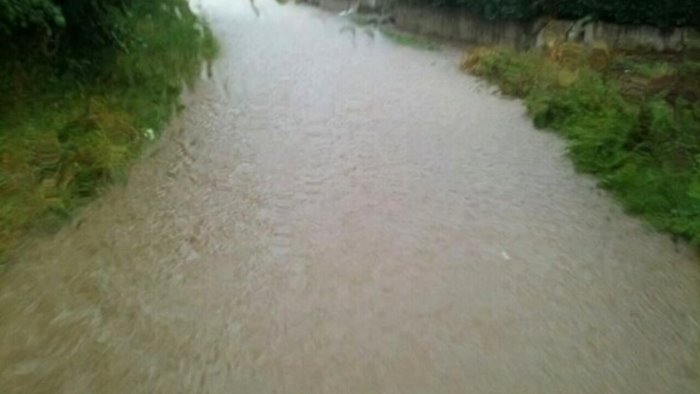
664, 13
654, 12
74, 24
16, 15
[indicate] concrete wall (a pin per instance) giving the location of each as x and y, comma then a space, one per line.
633, 37
460, 25
364, 5
334, 5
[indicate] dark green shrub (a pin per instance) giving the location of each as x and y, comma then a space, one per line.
25, 14
653, 12
664, 13
46, 27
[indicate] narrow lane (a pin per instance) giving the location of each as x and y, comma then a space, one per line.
334, 213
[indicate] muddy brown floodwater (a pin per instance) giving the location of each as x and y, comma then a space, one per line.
335, 213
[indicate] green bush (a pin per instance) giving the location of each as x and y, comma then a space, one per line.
25, 14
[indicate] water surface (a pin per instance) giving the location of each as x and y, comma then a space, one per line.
334, 213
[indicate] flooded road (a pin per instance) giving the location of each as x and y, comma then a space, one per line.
338, 214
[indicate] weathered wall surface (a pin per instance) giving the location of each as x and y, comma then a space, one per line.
456, 24
333, 5
362, 5
461, 25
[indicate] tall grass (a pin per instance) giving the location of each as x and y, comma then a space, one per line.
65, 132
633, 120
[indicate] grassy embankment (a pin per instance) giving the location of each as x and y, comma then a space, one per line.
66, 132
631, 119
408, 39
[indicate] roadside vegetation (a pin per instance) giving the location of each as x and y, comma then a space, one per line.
84, 86
632, 119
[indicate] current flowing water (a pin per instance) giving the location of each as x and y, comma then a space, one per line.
335, 213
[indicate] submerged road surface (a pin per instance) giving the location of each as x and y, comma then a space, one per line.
338, 214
